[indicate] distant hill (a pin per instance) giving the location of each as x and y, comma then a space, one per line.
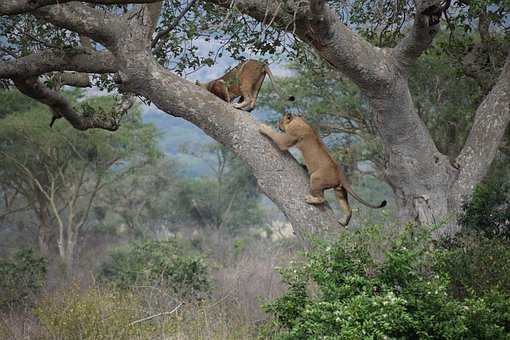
179, 134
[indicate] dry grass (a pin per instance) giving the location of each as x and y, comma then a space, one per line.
243, 276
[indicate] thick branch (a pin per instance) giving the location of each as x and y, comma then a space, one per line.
62, 108
319, 25
491, 121
425, 28
73, 79
87, 21
150, 19
11, 7
421, 35
78, 60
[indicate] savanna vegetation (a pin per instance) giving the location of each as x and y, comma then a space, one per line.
118, 221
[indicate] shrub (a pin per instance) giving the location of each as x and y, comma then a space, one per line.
93, 314
477, 259
355, 297
476, 264
162, 263
21, 278
488, 211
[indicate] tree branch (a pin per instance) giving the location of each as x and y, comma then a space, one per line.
62, 108
173, 25
491, 121
86, 214
12, 7
74, 79
150, 19
319, 25
87, 21
425, 28
157, 315
78, 60
416, 41
277, 173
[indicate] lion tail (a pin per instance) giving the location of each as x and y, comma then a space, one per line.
348, 187
276, 87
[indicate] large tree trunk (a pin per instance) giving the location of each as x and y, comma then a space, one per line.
491, 121
418, 173
427, 187
420, 176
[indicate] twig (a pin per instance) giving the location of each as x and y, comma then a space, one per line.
173, 24
156, 315
219, 301
275, 14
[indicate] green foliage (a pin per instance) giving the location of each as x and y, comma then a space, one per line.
93, 314
139, 201
58, 172
488, 211
28, 144
341, 292
159, 263
445, 97
21, 278
476, 264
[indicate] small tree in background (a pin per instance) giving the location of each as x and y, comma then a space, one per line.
168, 264
57, 173
228, 199
143, 199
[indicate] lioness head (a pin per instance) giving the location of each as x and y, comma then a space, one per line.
284, 122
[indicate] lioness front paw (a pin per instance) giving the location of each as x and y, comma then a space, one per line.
264, 129
314, 200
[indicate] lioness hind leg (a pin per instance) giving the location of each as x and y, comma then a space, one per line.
341, 195
316, 190
246, 93
255, 91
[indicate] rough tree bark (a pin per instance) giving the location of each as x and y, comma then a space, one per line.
427, 187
